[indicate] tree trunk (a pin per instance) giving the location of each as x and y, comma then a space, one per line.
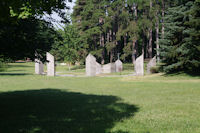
150, 37
163, 15
125, 43
103, 51
150, 44
133, 53
135, 10
143, 47
135, 50
157, 38
111, 56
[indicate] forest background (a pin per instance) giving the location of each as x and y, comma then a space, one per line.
108, 29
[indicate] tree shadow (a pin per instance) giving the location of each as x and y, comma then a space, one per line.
10, 66
57, 111
14, 74
182, 73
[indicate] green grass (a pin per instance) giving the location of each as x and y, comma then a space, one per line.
151, 104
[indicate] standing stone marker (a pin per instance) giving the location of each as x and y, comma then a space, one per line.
90, 65
151, 64
50, 65
139, 65
98, 68
118, 66
39, 67
109, 68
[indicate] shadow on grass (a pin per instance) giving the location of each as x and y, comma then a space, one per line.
57, 111
189, 74
10, 66
14, 74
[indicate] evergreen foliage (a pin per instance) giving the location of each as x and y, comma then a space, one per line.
180, 45
130, 28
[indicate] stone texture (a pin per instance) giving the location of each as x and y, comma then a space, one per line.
50, 65
39, 67
98, 68
118, 65
90, 65
139, 66
151, 64
109, 68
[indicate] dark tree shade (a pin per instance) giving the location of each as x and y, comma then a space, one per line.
25, 38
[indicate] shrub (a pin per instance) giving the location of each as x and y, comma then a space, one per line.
155, 69
3, 66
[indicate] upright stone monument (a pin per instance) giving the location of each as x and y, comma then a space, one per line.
109, 68
139, 66
118, 66
90, 65
50, 65
39, 67
151, 64
98, 68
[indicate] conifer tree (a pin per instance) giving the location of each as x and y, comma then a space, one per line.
180, 47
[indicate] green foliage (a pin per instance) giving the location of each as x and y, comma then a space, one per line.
154, 69
22, 30
3, 65
67, 46
180, 46
26, 38
13, 10
110, 27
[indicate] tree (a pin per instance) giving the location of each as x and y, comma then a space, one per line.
180, 45
12, 10
22, 31
24, 39
67, 47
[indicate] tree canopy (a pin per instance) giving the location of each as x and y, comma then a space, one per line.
22, 31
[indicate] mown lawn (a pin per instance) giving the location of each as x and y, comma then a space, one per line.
151, 104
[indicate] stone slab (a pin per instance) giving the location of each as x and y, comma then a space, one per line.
139, 66
50, 65
39, 67
90, 65
109, 68
152, 63
98, 68
118, 65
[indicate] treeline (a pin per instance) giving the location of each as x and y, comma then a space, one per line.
126, 27
163, 28
108, 29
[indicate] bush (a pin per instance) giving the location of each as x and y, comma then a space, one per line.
155, 69
3, 66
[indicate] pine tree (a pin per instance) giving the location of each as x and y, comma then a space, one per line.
180, 47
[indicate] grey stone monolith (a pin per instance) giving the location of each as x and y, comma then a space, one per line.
50, 65
118, 65
39, 67
90, 65
152, 63
98, 68
139, 66
109, 68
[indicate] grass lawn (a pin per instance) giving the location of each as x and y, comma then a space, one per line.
151, 104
